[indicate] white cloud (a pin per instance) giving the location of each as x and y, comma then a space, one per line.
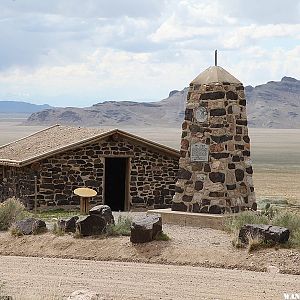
242, 36
192, 19
80, 52
103, 75
266, 11
172, 30
204, 12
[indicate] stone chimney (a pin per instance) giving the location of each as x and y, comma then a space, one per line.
215, 174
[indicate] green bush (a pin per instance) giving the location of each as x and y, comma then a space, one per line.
122, 227
11, 210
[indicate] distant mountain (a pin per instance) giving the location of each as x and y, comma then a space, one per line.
21, 107
270, 105
274, 104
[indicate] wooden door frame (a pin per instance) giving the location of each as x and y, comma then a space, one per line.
127, 200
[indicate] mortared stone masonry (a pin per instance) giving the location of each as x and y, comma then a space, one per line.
215, 172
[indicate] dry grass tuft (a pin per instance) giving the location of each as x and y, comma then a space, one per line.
57, 230
255, 242
15, 231
122, 227
287, 219
162, 236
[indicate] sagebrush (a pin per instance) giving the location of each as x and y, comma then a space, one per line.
122, 227
11, 210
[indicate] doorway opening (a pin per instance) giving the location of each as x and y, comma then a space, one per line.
115, 183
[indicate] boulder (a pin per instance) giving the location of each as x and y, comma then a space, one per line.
268, 232
145, 229
91, 225
103, 211
68, 225
30, 226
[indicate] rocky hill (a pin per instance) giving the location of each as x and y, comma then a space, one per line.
274, 104
271, 105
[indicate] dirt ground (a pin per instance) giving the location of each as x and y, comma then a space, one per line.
46, 278
188, 246
278, 184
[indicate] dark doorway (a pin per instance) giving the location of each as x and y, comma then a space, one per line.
115, 183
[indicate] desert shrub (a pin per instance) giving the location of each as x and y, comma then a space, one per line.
269, 211
11, 210
235, 223
236, 242
162, 236
286, 219
77, 234
295, 238
122, 227
291, 221
256, 242
57, 230
262, 202
15, 231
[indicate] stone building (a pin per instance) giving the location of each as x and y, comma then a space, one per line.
215, 172
128, 172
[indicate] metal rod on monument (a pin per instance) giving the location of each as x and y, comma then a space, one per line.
216, 57
35, 195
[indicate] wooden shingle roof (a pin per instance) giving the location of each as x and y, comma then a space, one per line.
58, 138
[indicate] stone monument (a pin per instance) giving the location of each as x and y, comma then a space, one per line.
215, 174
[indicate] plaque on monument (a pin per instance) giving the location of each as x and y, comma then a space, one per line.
199, 152
201, 114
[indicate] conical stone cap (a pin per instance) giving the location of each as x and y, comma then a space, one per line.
213, 75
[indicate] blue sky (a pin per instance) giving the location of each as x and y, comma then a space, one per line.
76, 53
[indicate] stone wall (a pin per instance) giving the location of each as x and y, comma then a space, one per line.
216, 121
151, 183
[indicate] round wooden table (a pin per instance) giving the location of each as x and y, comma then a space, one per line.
85, 194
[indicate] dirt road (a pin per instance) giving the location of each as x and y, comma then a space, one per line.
52, 278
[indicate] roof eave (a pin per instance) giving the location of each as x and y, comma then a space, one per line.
157, 146
9, 162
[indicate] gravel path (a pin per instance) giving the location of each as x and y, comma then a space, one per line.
44, 278
188, 246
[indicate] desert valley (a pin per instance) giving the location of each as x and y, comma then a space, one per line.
274, 120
